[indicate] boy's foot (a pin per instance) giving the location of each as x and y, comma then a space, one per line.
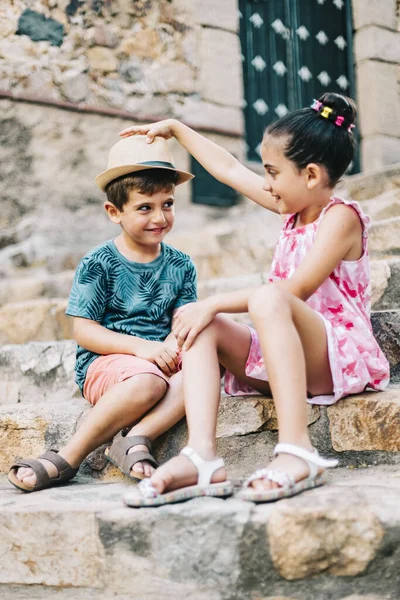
34, 474
143, 466
28, 476
132, 455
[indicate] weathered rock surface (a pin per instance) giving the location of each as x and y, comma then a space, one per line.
37, 371
204, 548
34, 320
25, 430
360, 430
370, 421
386, 326
351, 536
384, 237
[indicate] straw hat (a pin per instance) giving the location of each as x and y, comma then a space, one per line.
133, 154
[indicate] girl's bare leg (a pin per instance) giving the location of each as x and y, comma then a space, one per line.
222, 341
121, 405
295, 351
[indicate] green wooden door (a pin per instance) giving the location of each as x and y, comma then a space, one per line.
293, 51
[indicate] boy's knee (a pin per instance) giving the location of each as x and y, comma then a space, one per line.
267, 301
151, 387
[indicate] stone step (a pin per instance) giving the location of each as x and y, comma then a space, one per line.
80, 542
44, 319
39, 371
360, 430
385, 284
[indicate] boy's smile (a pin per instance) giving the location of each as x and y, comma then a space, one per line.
144, 220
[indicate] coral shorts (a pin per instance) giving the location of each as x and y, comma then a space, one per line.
106, 371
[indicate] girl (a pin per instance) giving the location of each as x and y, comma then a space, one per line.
312, 337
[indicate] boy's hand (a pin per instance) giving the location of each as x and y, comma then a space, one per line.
164, 129
190, 320
161, 354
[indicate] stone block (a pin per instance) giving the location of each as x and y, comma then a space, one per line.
28, 430
169, 77
38, 372
381, 14
207, 115
38, 27
369, 421
221, 68
380, 150
34, 320
75, 87
218, 15
144, 44
339, 537
373, 182
376, 43
377, 117
102, 59
386, 326
66, 552
385, 277
384, 237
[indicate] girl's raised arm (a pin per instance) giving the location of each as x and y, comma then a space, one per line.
217, 161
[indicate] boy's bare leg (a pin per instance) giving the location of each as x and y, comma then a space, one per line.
222, 341
164, 415
121, 405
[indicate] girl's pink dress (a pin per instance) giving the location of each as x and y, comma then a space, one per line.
343, 302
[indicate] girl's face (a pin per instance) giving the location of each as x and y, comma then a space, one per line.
286, 184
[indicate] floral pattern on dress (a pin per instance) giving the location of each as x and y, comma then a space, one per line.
344, 303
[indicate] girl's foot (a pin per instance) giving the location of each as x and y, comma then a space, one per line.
180, 472
288, 464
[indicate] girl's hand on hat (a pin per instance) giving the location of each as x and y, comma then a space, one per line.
189, 320
164, 129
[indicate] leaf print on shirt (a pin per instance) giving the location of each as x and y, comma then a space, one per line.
149, 290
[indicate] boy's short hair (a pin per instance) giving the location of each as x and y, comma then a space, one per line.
147, 182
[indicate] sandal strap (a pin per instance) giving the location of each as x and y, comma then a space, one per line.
147, 489
280, 477
127, 442
134, 457
43, 480
205, 468
312, 458
42, 476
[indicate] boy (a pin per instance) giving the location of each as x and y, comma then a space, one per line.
123, 299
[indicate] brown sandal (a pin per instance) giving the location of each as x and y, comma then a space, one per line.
118, 455
43, 479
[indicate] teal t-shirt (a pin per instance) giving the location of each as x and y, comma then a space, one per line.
128, 297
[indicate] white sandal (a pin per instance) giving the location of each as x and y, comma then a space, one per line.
145, 493
287, 485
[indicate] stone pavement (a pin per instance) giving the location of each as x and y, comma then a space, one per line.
327, 543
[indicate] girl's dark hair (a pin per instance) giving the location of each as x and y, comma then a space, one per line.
311, 138
147, 182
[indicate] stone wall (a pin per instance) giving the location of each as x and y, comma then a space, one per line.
377, 58
152, 58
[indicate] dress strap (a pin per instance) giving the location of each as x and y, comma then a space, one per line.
365, 220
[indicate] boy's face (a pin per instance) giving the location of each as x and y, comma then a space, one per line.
145, 219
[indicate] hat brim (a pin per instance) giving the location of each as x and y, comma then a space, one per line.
106, 177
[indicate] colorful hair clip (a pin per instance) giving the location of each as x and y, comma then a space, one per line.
316, 105
339, 121
326, 112
350, 127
